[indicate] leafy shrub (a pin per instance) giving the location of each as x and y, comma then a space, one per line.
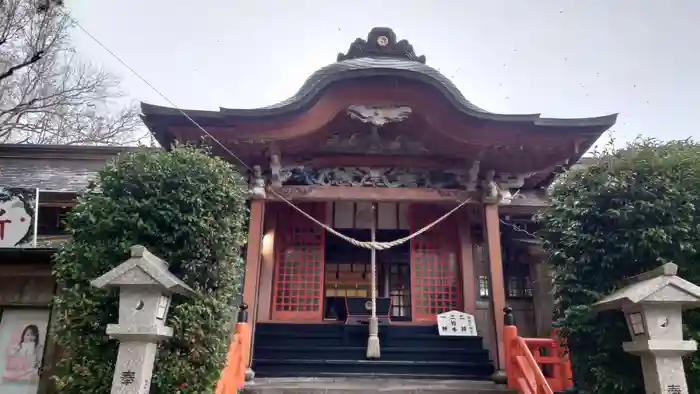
187, 208
636, 209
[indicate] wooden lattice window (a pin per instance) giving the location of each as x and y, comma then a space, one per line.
299, 265
516, 272
514, 288
399, 290
435, 275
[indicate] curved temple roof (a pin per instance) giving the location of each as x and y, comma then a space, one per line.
379, 55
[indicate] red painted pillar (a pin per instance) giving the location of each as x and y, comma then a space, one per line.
498, 294
252, 262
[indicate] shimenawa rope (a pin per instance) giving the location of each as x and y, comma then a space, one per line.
372, 244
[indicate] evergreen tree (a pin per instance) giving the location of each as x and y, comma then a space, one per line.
190, 210
634, 210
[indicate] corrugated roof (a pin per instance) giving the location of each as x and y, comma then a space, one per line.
57, 168
56, 175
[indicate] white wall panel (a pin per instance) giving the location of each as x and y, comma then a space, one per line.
344, 214
363, 215
404, 221
329, 214
387, 216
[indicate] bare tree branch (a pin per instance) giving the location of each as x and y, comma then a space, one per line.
48, 95
35, 58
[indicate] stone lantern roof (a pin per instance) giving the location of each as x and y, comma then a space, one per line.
143, 269
657, 286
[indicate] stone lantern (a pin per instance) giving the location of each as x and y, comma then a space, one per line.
653, 304
145, 287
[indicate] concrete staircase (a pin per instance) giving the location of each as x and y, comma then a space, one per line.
349, 385
338, 351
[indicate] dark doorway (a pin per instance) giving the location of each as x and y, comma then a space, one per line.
394, 266
348, 273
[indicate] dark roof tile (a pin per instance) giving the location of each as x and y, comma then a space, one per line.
48, 174
53, 167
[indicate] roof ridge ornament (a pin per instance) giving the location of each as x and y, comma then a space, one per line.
381, 42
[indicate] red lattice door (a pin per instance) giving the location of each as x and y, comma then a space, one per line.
298, 288
435, 274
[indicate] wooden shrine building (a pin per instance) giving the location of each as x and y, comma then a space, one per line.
381, 139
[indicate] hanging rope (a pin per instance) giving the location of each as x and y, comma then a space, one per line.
372, 244
362, 244
374, 349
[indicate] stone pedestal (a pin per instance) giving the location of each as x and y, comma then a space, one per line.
662, 364
134, 368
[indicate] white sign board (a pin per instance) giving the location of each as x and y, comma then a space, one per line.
456, 324
18, 209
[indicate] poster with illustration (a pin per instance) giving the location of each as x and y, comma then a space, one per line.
22, 341
18, 208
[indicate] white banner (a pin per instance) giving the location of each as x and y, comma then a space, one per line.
456, 324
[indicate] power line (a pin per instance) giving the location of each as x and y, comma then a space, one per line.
518, 229
144, 80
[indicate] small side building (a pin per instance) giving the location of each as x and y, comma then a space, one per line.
38, 185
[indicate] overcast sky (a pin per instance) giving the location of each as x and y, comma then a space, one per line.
561, 58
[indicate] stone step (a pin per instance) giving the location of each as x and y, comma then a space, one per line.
388, 385
339, 350
274, 368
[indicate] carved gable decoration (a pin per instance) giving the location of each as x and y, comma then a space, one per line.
496, 187
373, 142
378, 116
381, 42
373, 177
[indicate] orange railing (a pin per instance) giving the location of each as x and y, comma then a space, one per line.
233, 375
527, 360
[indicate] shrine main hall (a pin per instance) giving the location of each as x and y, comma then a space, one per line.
378, 146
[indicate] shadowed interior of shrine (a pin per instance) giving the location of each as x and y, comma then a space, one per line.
322, 294
348, 280
319, 276
315, 291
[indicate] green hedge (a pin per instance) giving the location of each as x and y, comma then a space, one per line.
187, 208
634, 210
